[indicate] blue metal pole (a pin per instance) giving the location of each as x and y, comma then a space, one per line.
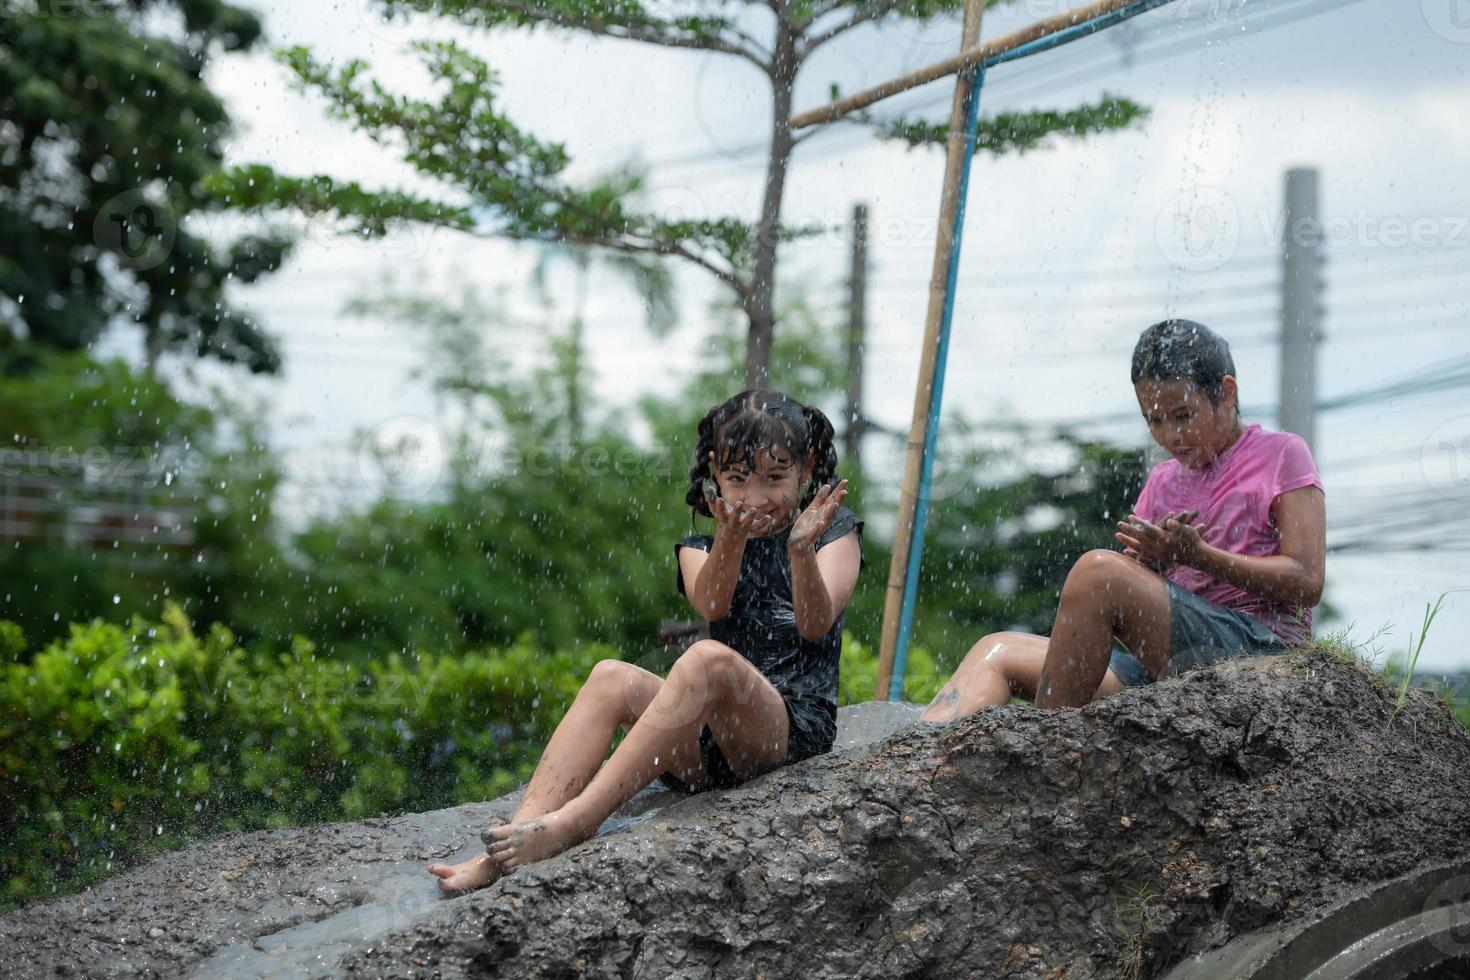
1075, 32
936, 397
926, 470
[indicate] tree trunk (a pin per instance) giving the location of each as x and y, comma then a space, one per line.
574, 356
152, 347
574, 386
758, 304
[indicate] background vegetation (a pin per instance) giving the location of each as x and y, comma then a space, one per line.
176, 660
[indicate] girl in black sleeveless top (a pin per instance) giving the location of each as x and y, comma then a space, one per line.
773, 581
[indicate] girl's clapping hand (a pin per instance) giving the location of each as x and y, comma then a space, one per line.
1175, 539
812, 522
733, 517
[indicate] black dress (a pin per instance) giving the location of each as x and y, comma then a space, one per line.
761, 626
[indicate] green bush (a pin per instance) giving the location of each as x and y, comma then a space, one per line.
120, 742
859, 673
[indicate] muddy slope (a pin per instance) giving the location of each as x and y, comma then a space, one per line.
1113, 842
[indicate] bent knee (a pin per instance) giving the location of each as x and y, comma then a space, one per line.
706, 655
1014, 656
715, 669
608, 677
1100, 568
1102, 561
993, 647
623, 688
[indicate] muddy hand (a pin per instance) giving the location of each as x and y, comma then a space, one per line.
1174, 539
813, 522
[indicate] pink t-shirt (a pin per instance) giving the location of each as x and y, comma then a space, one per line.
1234, 495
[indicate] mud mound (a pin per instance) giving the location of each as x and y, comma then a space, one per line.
1115, 841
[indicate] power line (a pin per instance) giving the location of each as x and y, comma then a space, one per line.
1039, 270
1117, 352
1174, 47
1455, 374
386, 345
1001, 86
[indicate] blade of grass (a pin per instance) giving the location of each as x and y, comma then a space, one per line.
1429, 615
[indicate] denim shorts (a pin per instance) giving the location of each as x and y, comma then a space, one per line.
1200, 633
811, 730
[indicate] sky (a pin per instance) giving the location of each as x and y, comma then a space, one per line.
1068, 251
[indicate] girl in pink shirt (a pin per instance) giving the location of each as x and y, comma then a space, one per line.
1223, 554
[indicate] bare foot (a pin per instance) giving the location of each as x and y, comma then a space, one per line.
944, 707
517, 844
477, 872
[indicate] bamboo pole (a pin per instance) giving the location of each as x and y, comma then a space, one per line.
971, 53
949, 202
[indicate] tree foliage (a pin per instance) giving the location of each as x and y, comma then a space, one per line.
496, 178
1017, 132
108, 135
122, 495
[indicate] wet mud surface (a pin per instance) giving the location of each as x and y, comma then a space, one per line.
1114, 841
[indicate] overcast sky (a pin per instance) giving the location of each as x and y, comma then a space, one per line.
1068, 251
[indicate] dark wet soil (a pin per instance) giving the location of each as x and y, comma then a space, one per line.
1114, 841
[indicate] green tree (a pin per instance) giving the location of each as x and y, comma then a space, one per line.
648, 276
118, 495
516, 185
109, 134
808, 362
538, 528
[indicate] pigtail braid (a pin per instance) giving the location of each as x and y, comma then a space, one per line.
700, 471
820, 450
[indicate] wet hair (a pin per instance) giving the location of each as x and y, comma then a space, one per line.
757, 421
1183, 350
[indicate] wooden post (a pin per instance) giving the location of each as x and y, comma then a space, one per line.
949, 202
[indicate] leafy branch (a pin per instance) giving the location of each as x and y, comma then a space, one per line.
1018, 132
